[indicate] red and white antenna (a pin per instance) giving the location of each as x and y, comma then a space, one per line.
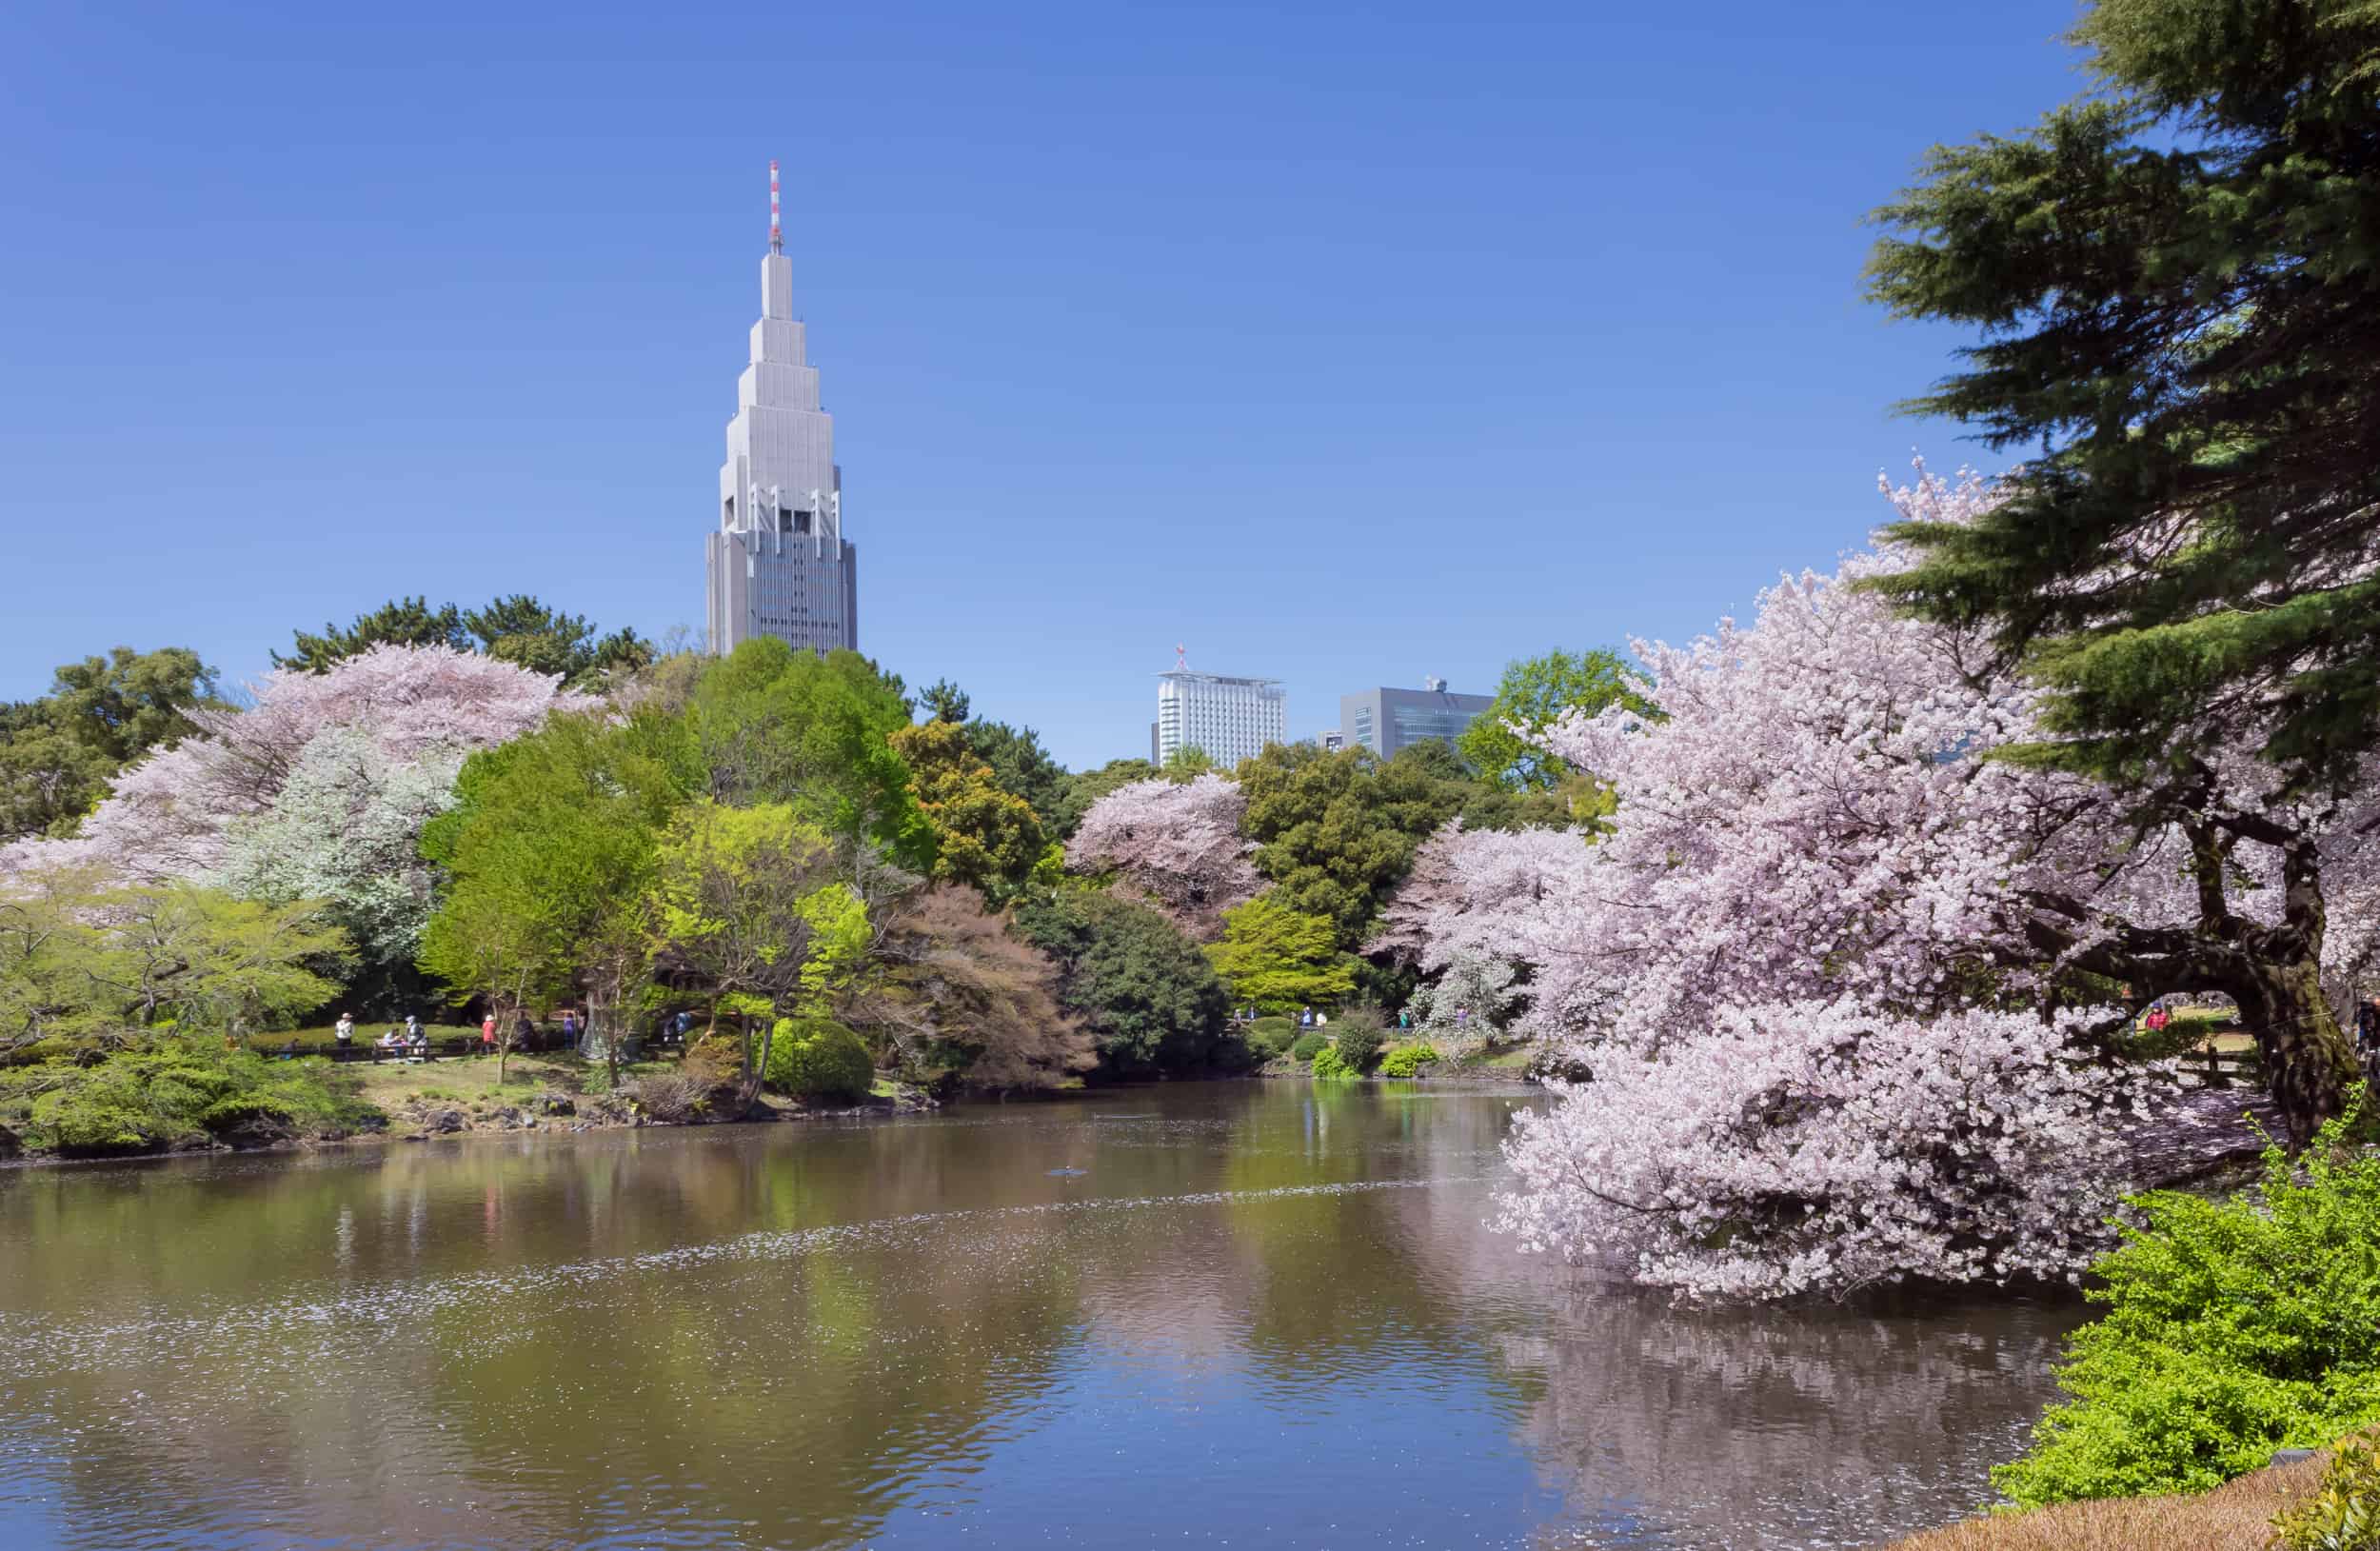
1181, 658
776, 216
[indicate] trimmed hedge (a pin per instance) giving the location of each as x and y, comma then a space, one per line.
817, 1058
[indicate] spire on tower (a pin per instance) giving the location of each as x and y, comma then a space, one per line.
776, 218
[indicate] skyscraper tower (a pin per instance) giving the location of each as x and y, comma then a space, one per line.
778, 561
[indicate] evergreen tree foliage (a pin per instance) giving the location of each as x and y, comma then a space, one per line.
516, 630
1141, 987
58, 753
2177, 283
1336, 832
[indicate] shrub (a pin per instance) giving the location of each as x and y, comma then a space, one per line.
1359, 1043
817, 1058
2344, 1513
1407, 1060
1309, 1045
1328, 1065
2234, 1327
176, 1090
677, 1098
1270, 1037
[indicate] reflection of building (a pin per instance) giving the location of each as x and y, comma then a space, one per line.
778, 564
1385, 721
1228, 719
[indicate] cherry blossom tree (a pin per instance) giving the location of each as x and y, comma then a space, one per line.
1817, 884
167, 817
1178, 844
1806, 1147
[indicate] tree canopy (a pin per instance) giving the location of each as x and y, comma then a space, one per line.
2175, 284
1533, 693
516, 630
58, 753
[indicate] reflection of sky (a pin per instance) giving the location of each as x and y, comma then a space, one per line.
1262, 1315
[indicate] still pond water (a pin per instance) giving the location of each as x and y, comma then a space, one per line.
1252, 1314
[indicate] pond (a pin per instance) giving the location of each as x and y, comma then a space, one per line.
1251, 1314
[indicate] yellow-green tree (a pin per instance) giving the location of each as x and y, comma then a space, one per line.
984, 837
1278, 959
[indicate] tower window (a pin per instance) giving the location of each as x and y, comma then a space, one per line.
793, 522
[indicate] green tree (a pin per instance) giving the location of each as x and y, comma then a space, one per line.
549, 857
405, 621
1187, 763
205, 960
1021, 767
945, 701
517, 629
58, 753
52, 943
1533, 694
1280, 959
984, 837
1336, 832
2175, 278
749, 905
774, 724
1144, 990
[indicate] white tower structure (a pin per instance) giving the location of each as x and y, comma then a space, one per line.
778, 561
1227, 719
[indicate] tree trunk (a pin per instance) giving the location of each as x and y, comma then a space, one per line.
2307, 1063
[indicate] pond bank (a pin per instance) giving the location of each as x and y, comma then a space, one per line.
2236, 1515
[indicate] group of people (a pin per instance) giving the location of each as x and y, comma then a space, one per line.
410, 1043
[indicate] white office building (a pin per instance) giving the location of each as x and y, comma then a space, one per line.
778, 561
1228, 719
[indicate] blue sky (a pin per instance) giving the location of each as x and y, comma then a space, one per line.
1344, 344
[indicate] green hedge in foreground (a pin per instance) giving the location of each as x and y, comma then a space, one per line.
2234, 1327
177, 1092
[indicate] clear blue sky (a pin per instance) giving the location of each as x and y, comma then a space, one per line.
1344, 344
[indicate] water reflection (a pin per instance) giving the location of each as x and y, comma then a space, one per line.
1248, 1313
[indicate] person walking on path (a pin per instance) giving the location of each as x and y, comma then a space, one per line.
569, 1029
487, 1031
344, 1032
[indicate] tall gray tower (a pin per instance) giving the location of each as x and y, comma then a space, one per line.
777, 563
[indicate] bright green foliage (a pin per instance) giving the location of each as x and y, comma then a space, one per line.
1408, 1060
1533, 693
1187, 763
1143, 990
204, 960
984, 837
944, 702
177, 1091
2233, 1328
1332, 1067
1337, 832
517, 629
1310, 1044
2177, 284
550, 855
774, 724
51, 943
1358, 1038
839, 938
738, 902
2344, 1513
1278, 959
817, 1058
101, 713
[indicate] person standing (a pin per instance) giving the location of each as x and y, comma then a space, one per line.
344, 1032
569, 1029
487, 1031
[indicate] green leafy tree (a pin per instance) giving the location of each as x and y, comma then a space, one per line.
1021, 767
517, 629
204, 960
1533, 694
1336, 832
1278, 959
52, 947
1187, 763
549, 856
58, 753
944, 702
405, 621
984, 837
776, 726
1144, 990
749, 905
2174, 282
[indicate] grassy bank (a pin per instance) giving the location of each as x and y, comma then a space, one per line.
2236, 1517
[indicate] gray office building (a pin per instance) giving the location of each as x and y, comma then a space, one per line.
778, 561
1386, 720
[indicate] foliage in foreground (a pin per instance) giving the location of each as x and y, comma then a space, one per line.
2344, 1513
817, 1058
2233, 1328
178, 1091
